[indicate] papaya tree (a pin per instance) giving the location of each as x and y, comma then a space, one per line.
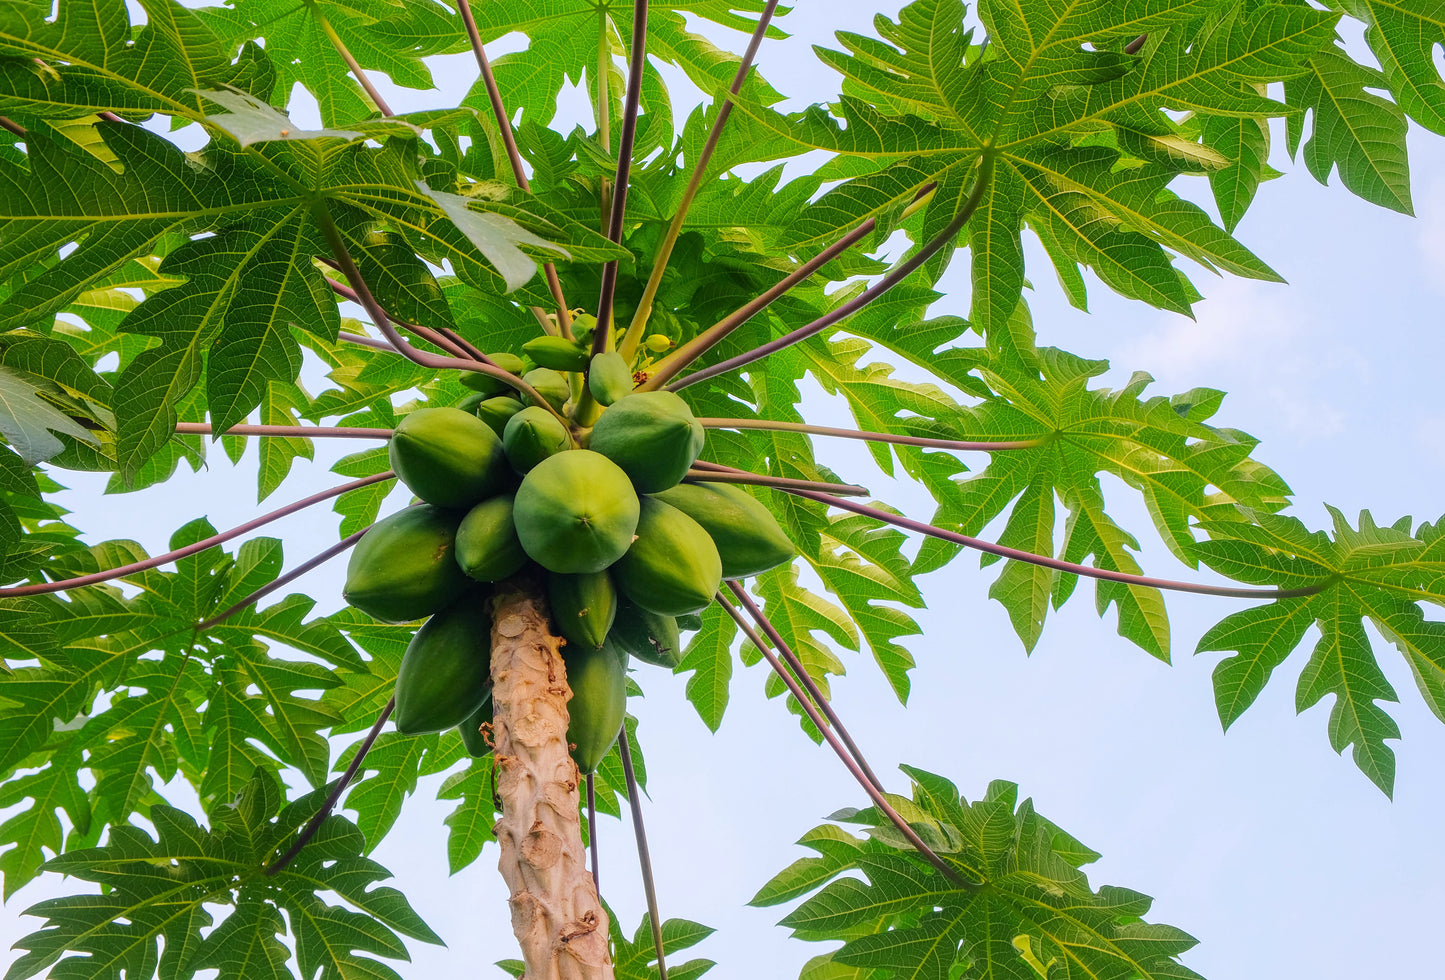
582, 364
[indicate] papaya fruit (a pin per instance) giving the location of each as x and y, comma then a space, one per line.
649, 637
403, 568
531, 436
448, 457
488, 384
652, 435
598, 678
657, 343
446, 670
748, 538
496, 412
471, 729
576, 512
557, 353
469, 404
487, 546
609, 379
550, 385
673, 567
583, 606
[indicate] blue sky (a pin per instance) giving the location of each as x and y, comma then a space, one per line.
1271, 849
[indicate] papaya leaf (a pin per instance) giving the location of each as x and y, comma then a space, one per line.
1015, 903
153, 916
1368, 573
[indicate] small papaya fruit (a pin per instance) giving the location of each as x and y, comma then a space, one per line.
469, 404
487, 546
557, 353
446, 670
598, 679
489, 384
748, 538
652, 435
495, 412
673, 567
448, 457
576, 512
550, 385
471, 729
657, 343
583, 606
609, 379
648, 636
403, 568
531, 436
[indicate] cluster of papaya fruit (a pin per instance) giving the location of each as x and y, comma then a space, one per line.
626, 553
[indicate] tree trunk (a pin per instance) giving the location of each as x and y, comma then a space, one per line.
556, 916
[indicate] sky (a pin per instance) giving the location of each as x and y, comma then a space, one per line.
1276, 853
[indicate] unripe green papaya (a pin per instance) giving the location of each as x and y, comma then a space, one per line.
550, 385
557, 353
649, 637
471, 729
583, 606
446, 671
673, 567
609, 379
748, 538
496, 412
598, 678
487, 546
652, 435
657, 343
403, 567
490, 385
469, 404
576, 512
531, 436
448, 457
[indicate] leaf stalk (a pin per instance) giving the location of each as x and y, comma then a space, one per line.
637, 61
897, 275
44, 588
890, 437
638, 325
1003, 551
644, 858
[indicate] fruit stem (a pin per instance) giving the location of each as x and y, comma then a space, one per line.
303, 431
1003, 551
42, 588
806, 679
638, 325
284, 580
351, 64
823, 430
388, 329
644, 858
314, 824
873, 792
706, 472
895, 276
637, 61
514, 156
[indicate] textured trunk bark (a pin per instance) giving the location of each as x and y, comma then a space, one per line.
556, 916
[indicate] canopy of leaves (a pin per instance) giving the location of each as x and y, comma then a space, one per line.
143, 285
